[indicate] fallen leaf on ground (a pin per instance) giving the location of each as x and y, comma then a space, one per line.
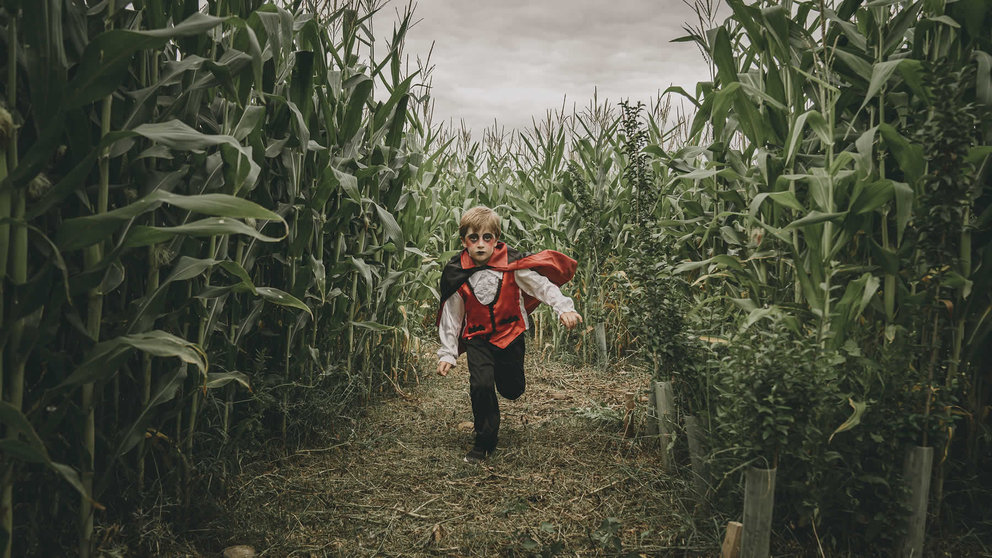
239, 551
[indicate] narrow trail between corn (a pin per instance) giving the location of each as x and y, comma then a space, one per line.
564, 481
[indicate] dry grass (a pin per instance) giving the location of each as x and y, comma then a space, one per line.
563, 480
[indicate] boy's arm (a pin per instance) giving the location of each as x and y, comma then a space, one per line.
448, 329
541, 288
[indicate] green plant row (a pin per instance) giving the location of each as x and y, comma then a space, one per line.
208, 218
825, 231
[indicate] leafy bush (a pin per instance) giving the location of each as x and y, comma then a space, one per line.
658, 299
835, 423
776, 390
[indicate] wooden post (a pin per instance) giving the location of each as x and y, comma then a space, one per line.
652, 415
628, 415
732, 540
697, 457
602, 353
666, 410
759, 500
919, 465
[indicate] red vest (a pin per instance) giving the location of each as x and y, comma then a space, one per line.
496, 321
499, 322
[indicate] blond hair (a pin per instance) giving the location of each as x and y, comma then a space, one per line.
481, 219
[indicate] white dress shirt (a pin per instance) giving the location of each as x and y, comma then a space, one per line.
484, 283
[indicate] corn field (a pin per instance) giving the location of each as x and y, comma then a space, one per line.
222, 226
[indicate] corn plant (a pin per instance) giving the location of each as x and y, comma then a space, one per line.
805, 192
225, 188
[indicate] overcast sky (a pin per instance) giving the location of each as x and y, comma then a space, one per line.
511, 60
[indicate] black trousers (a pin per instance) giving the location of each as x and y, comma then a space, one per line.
490, 369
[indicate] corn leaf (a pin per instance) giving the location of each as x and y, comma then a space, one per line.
104, 358
144, 235
908, 155
356, 108
282, 298
853, 420
31, 449
784, 198
164, 392
815, 217
107, 57
220, 379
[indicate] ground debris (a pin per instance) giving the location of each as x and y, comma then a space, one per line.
239, 551
559, 482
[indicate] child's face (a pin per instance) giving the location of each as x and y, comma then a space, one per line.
480, 245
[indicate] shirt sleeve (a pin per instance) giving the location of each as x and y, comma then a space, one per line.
541, 288
452, 316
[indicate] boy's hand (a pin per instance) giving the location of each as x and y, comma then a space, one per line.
570, 319
443, 368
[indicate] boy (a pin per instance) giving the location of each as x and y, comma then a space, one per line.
487, 292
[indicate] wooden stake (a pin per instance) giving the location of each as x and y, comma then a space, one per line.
919, 464
697, 456
628, 415
599, 331
652, 415
666, 410
759, 500
732, 540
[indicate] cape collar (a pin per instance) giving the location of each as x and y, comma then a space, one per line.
556, 266
499, 258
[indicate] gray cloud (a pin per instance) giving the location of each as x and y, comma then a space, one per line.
512, 60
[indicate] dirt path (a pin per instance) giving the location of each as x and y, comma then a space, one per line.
563, 482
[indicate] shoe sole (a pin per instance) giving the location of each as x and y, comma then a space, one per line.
475, 460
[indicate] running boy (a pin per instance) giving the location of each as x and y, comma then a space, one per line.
487, 292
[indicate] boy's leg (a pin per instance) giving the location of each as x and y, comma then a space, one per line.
510, 369
482, 383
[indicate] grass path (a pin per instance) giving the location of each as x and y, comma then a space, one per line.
564, 480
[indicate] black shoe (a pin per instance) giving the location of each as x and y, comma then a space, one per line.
477, 455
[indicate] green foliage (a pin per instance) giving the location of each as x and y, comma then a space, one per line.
947, 191
228, 231
658, 299
602, 415
534, 547
607, 536
827, 206
772, 384
232, 189
830, 421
